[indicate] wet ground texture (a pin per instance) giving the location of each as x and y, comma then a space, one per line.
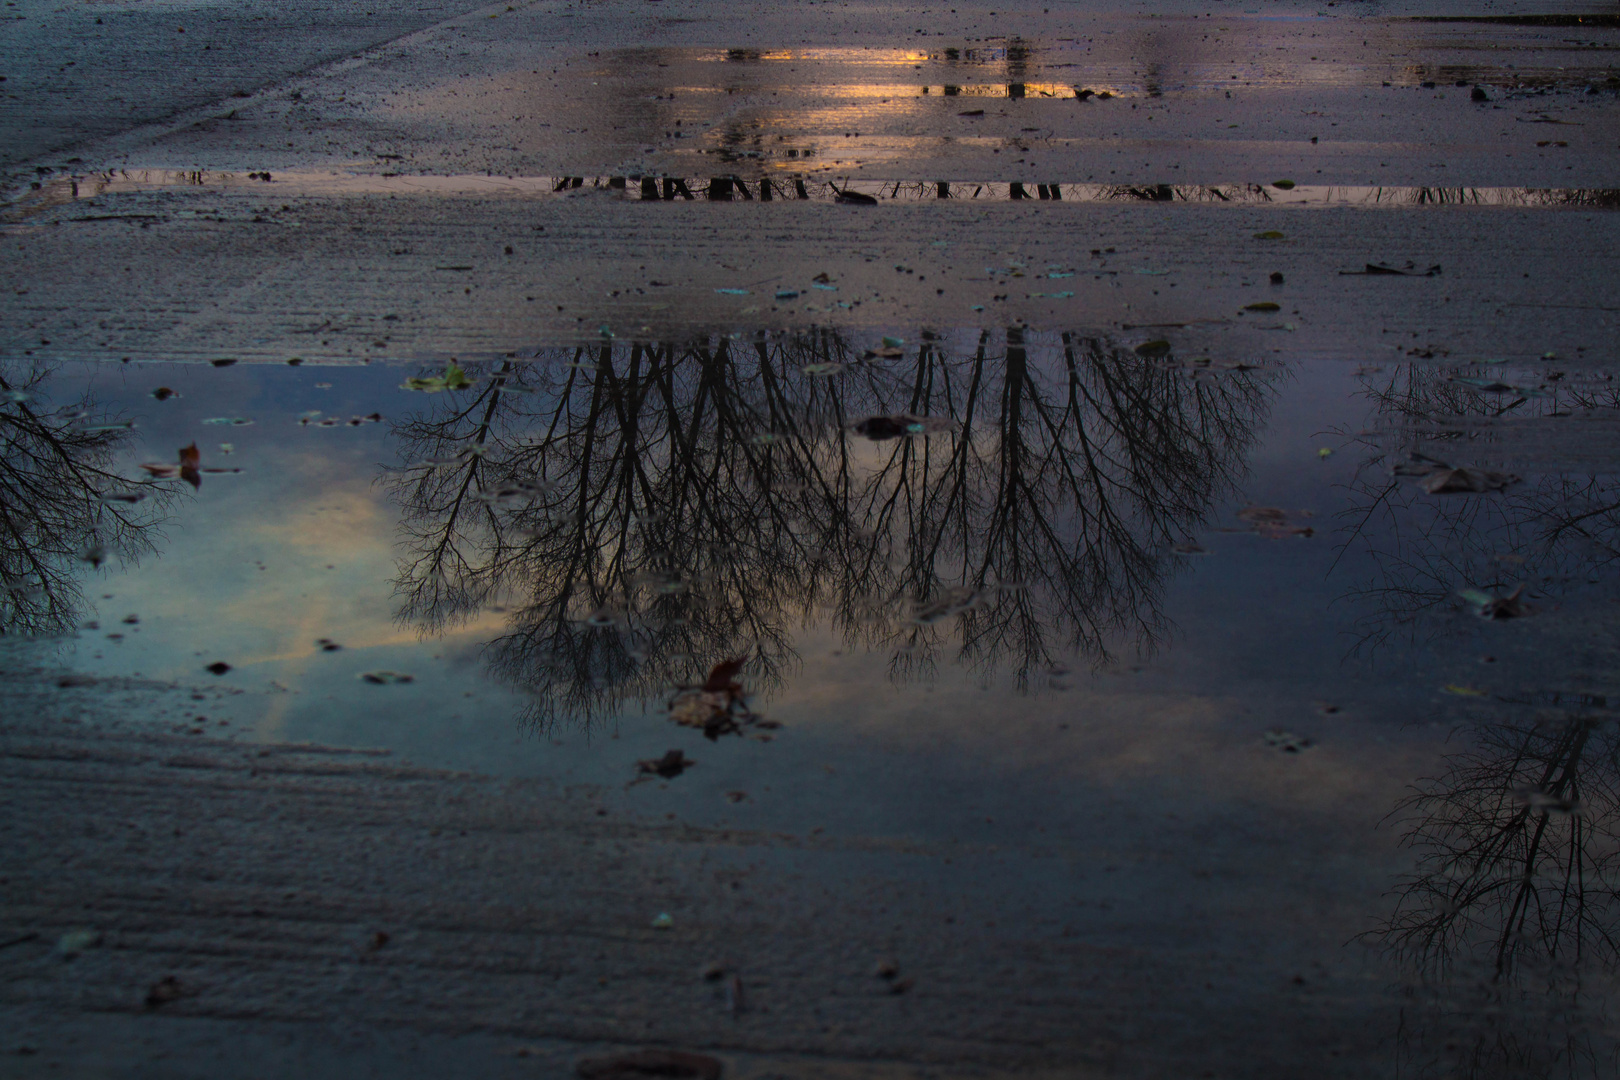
632, 538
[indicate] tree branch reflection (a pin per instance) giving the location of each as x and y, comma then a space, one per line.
61, 503
650, 508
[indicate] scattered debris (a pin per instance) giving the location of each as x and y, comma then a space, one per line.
648, 1064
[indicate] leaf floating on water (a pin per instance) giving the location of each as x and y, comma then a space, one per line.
1496, 606
327, 645
723, 676
1152, 350
732, 292
1285, 741
604, 616
1376, 269
1263, 305
883, 428
893, 342
74, 942
886, 352
122, 496
386, 678
163, 393
855, 198
1187, 547
972, 112
1269, 234
184, 469
1444, 480
822, 369
1283, 185
453, 379
671, 765
232, 421
94, 553
719, 706
1537, 799
1463, 691
787, 294
1273, 523
218, 667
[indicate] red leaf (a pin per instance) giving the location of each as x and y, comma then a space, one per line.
724, 674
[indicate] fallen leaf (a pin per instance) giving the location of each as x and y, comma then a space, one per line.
74, 942
1376, 269
1272, 523
1285, 741
671, 765
1496, 606
1269, 234
1153, 349
163, 991
1263, 305
723, 675
453, 379
1449, 481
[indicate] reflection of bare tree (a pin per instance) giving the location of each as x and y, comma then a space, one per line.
1512, 915
1518, 850
1510, 918
59, 504
1548, 531
650, 509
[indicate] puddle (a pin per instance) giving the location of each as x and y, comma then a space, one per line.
963, 586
